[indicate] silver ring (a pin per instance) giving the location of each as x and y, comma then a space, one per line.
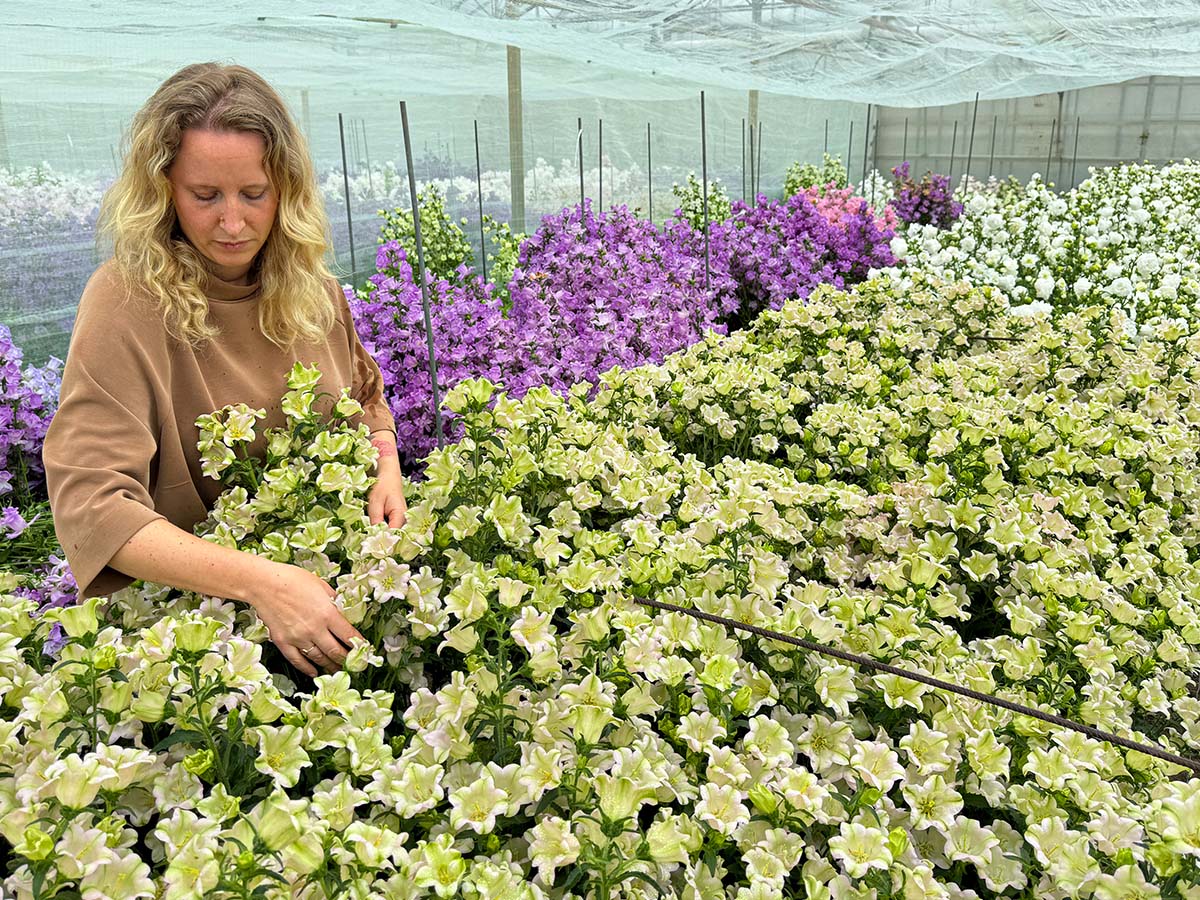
309, 650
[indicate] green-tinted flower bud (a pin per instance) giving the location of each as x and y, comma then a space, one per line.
105, 658
35, 844
196, 636
897, 841
78, 620
199, 762
763, 799
149, 707
741, 700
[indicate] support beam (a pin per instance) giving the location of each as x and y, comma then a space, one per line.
516, 140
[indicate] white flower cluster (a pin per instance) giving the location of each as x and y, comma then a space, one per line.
547, 187
1126, 237
872, 470
39, 200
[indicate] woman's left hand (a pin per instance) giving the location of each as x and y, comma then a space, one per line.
386, 501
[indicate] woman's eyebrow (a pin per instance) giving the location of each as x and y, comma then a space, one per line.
258, 185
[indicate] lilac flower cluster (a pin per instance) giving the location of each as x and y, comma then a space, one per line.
779, 250
929, 201
471, 340
597, 290
590, 291
52, 586
27, 401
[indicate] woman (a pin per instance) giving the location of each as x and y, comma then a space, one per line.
216, 286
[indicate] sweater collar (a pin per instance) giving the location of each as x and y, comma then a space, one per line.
223, 291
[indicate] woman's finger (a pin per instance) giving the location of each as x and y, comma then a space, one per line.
332, 651
297, 659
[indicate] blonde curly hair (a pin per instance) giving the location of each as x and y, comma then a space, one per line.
138, 216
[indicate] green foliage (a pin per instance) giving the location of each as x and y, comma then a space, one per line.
801, 176
690, 197
443, 240
503, 248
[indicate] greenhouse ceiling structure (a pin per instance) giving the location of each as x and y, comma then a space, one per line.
900, 53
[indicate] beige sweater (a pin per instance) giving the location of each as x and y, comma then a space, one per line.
121, 450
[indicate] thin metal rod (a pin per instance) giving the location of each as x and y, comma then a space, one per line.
479, 196
904, 147
953, 147
579, 122
867, 662
758, 167
866, 142
743, 159
346, 188
649, 177
1050, 149
971, 142
704, 181
600, 166
753, 190
825, 147
849, 148
367, 153
416, 211
1075, 152
992, 153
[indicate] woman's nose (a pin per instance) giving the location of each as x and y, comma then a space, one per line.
232, 220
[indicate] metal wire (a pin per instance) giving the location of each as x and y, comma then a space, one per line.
869, 663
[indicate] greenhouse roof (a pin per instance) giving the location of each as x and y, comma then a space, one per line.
895, 52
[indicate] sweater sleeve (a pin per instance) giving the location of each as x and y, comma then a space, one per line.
368, 380
101, 443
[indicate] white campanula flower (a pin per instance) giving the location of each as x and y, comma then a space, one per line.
860, 849
477, 805
721, 808
552, 845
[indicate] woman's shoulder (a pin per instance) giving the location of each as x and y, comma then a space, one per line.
111, 288
114, 305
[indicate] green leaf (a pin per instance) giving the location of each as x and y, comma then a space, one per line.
178, 737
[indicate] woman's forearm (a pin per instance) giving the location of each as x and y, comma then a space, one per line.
162, 553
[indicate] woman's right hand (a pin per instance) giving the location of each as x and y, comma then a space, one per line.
303, 621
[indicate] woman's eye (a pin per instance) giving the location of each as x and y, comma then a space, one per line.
258, 196
207, 199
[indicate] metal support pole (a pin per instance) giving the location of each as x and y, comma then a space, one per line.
600, 166
849, 147
866, 141
753, 191
346, 188
412, 190
367, 153
971, 142
649, 178
953, 147
1050, 149
1075, 152
992, 153
904, 147
743, 160
479, 197
704, 181
758, 167
825, 146
579, 125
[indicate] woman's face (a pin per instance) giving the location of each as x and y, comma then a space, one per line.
224, 200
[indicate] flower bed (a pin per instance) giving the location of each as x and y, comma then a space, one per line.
1126, 237
867, 470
